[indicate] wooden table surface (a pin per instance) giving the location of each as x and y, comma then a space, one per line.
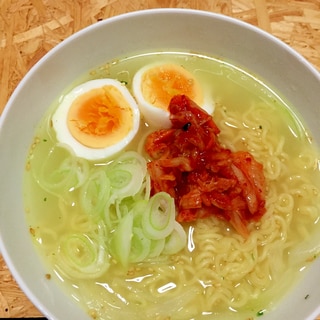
29, 29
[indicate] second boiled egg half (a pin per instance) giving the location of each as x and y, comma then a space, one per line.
97, 119
154, 85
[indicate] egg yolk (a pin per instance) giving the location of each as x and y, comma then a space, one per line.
160, 83
100, 117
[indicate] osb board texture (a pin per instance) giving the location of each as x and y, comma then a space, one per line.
29, 29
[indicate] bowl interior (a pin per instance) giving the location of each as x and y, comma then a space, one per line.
150, 30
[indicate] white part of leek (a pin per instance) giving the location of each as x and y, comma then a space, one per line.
156, 248
60, 171
94, 193
158, 220
176, 241
126, 180
120, 242
140, 246
83, 256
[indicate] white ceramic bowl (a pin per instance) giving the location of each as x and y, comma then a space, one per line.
203, 32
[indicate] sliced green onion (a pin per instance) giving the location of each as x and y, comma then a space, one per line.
138, 210
110, 216
115, 211
120, 178
147, 187
146, 229
158, 220
156, 248
129, 184
125, 180
127, 175
140, 246
60, 171
123, 207
79, 249
134, 158
145, 190
120, 242
94, 193
176, 241
82, 257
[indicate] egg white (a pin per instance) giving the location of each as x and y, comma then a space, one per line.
59, 121
157, 117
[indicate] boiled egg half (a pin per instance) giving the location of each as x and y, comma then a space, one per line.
97, 119
154, 85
